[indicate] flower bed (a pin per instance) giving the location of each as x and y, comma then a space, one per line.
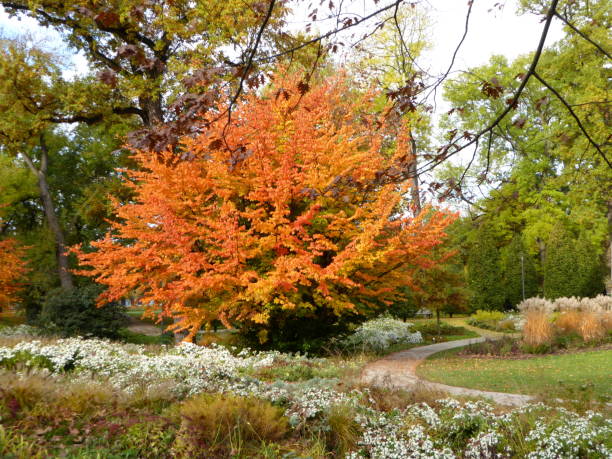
315, 409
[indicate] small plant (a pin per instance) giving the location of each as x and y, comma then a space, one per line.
380, 334
213, 425
568, 322
536, 304
492, 320
344, 432
537, 331
591, 327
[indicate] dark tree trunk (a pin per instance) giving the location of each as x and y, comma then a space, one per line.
414, 189
47, 202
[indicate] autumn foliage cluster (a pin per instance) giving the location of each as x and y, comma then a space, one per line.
295, 208
12, 268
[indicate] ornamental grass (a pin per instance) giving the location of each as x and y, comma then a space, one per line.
538, 330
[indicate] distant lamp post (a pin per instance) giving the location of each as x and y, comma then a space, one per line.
523, 275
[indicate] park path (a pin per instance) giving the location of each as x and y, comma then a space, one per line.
136, 325
398, 371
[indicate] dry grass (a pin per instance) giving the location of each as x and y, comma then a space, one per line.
538, 330
344, 432
592, 326
224, 425
569, 322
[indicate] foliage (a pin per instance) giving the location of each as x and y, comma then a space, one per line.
560, 279
518, 270
74, 312
158, 62
12, 268
293, 212
493, 320
378, 335
484, 273
217, 425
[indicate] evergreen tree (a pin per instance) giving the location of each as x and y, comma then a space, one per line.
561, 267
591, 269
516, 265
484, 273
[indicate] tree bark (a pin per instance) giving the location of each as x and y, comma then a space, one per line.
47, 202
414, 189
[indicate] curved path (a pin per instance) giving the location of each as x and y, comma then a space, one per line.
397, 371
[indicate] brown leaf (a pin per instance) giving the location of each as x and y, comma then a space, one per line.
108, 77
107, 19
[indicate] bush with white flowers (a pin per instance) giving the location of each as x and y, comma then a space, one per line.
380, 334
445, 429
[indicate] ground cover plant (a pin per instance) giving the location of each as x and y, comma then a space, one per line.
493, 320
94, 398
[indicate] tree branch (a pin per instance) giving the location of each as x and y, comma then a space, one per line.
512, 103
578, 122
582, 34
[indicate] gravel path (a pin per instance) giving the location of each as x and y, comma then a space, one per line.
397, 371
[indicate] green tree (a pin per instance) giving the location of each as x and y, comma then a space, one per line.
519, 274
561, 276
162, 61
484, 272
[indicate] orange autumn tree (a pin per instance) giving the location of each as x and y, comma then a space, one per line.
12, 268
293, 210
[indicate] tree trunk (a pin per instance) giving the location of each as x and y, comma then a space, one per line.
438, 320
414, 189
47, 202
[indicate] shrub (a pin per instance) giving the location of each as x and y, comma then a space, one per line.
537, 331
380, 334
74, 312
432, 328
491, 319
222, 424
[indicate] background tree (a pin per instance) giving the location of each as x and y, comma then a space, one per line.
561, 276
520, 279
163, 62
484, 272
294, 217
12, 269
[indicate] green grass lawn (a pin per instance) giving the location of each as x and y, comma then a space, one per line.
554, 375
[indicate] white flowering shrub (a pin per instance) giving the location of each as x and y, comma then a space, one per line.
474, 430
380, 334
